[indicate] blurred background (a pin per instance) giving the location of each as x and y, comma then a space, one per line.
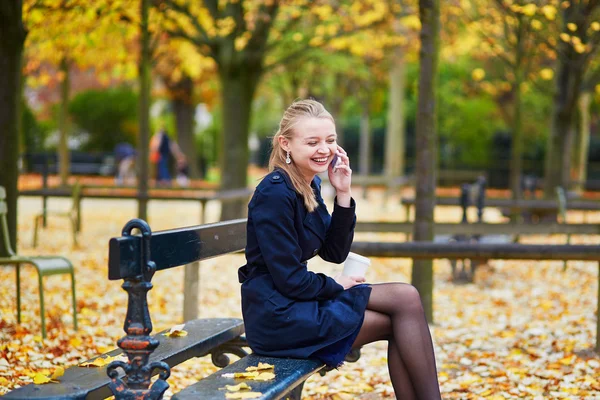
81, 93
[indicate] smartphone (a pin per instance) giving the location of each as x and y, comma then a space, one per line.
334, 161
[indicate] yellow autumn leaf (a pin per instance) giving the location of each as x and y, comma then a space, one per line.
572, 27
101, 361
246, 375
478, 74
177, 331
547, 74
243, 395
237, 388
265, 376
529, 9
41, 379
260, 367
75, 342
549, 12
58, 372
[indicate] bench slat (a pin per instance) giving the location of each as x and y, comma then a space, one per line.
175, 247
92, 383
289, 373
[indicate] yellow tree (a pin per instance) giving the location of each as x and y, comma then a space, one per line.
577, 46
73, 33
510, 32
246, 39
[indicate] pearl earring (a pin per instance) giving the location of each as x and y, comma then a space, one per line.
288, 160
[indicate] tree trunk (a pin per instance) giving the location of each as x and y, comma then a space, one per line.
63, 124
426, 145
183, 107
12, 38
395, 136
336, 103
364, 159
516, 157
238, 85
568, 87
583, 142
144, 104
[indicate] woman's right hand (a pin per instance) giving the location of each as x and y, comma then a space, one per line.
348, 281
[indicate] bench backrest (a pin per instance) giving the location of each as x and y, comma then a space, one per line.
175, 247
135, 258
4, 222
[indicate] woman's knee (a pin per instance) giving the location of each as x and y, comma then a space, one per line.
408, 298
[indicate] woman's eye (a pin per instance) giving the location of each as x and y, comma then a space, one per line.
312, 143
331, 141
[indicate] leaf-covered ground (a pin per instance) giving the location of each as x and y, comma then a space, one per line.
523, 330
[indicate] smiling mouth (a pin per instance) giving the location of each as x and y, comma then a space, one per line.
321, 160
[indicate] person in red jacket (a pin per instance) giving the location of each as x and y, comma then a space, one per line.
290, 311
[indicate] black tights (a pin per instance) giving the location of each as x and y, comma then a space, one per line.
395, 313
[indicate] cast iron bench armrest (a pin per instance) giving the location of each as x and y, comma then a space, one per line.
290, 375
204, 336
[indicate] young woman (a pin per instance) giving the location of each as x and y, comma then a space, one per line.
290, 311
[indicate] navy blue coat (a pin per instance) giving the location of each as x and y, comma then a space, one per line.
288, 310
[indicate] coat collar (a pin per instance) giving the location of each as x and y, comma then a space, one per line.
316, 182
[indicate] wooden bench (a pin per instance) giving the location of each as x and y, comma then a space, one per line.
135, 259
121, 193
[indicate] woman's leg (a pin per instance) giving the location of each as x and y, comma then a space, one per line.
377, 326
402, 303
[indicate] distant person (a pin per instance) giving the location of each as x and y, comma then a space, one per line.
125, 158
183, 171
160, 156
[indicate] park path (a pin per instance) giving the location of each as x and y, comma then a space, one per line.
521, 331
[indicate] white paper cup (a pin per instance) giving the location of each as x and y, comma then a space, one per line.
356, 265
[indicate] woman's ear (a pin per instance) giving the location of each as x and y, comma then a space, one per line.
284, 143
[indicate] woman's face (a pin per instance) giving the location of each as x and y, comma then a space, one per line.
313, 145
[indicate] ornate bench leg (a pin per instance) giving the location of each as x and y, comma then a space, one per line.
219, 355
138, 344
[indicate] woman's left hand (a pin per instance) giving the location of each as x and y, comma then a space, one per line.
340, 175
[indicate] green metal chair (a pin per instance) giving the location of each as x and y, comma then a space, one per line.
74, 216
45, 266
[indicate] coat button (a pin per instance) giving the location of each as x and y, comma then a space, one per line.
315, 251
275, 176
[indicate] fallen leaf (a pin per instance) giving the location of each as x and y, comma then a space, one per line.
237, 388
58, 372
243, 395
102, 361
260, 367
176, 331
264, 376
40, 379
245, 375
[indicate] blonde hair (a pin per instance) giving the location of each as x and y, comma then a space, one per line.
294, 113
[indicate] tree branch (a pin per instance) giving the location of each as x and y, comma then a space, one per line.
260, 34
306, 46
213, 8
185, 11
